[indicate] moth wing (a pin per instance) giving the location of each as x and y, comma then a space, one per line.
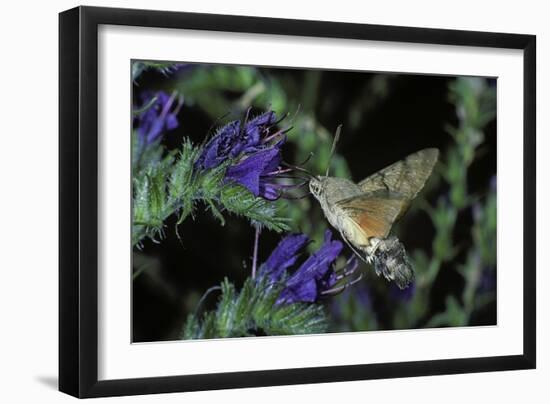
406, 177
373, 213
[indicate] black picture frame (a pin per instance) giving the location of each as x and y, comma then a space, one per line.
78, 200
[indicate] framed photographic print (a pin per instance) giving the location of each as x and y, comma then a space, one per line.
252, 201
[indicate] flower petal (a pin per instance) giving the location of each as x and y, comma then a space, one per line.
269, 191
284, 255
220, 147
255, 127
315, 274
157, 119
249, 170
319, 263
403, 295
171, 122
302, 292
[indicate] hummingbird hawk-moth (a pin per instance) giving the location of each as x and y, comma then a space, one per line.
364, 213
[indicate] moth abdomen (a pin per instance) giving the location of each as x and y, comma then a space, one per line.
391, 260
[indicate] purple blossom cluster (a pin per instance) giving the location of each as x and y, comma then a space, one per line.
159, 116
313, 278
254, 146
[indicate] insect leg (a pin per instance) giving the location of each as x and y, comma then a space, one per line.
359, 253
374, 244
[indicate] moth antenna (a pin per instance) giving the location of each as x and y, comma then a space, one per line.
336, 138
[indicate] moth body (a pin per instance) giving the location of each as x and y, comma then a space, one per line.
330, 190
364, 213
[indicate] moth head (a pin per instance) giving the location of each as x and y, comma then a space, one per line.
317, 186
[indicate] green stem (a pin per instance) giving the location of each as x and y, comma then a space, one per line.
255, 255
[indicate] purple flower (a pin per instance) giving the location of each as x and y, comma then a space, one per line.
284, 256
359, 297
364, 296
487, 280
255, 150
157, 118
232, 140
313, 277
256, 173
221, 147
402, 295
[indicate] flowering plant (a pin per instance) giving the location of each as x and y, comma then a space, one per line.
235, 172
191, 177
